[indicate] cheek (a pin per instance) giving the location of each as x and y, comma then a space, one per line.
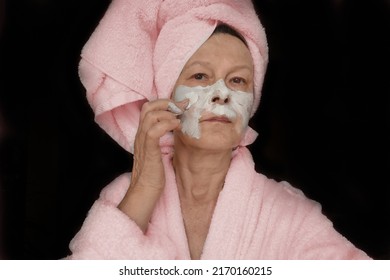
239, 128
242, 103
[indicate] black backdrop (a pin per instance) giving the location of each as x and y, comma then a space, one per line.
322, 121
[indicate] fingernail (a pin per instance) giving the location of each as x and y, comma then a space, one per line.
184, 102
174, 109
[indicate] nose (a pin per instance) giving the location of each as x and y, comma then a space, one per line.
220, 100
221, 94
221, 97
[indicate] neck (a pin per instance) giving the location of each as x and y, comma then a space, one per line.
200, 174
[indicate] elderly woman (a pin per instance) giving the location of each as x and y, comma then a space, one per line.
193, 192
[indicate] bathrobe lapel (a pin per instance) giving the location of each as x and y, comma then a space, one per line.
225, 237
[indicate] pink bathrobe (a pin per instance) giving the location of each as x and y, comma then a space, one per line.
254, 218
136, 54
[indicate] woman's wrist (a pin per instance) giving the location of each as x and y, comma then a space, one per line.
138, 204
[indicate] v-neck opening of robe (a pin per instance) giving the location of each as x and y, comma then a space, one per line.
225, 221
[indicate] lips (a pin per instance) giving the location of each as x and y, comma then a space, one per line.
221, 119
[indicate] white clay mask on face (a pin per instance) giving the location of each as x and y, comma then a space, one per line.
203, 99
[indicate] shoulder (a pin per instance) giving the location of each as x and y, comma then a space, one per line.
282, 195
272, 186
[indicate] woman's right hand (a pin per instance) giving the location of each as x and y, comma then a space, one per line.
148, 176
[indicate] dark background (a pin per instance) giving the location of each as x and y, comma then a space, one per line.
323, 121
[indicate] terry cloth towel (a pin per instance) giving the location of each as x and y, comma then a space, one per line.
254, 218
139, 48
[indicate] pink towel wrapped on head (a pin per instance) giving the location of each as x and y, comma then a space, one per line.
139, 48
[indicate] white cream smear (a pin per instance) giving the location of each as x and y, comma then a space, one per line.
239, 103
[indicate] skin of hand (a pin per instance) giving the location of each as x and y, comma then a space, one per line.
148, 178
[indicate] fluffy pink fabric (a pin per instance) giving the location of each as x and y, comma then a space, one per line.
139, 48
254, 218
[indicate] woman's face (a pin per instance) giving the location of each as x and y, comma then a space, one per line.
218, 81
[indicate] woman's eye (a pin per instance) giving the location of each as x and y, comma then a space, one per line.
199, 76
238, 80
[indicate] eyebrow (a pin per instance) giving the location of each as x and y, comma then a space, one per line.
207, 64
198, 62
244, 66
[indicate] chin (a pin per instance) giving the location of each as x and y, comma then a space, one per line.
220, 140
